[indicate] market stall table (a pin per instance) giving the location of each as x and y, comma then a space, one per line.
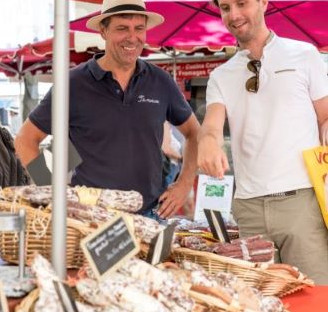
311, 299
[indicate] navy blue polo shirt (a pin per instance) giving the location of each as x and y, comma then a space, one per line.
117, 133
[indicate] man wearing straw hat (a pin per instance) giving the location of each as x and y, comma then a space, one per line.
118, 105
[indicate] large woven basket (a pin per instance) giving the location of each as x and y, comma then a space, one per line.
38, 237
28, 303
278, 282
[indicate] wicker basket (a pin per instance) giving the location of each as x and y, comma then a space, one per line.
28, 303
38, 237
278, 282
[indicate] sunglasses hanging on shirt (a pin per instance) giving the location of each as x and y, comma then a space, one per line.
253, 83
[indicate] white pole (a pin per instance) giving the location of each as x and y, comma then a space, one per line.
60, 133
174, 56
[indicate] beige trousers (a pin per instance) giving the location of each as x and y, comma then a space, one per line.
294, 223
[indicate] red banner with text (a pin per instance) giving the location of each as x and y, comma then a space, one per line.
187, 71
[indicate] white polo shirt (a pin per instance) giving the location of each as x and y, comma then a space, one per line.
270, 129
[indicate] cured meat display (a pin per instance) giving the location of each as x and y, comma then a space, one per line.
253, 249
227, 289
202, 228
145, 229
173, 287
129, 201
119, 290
33, 195
84, 215
48, 300
134, 285
168, 290
137, 286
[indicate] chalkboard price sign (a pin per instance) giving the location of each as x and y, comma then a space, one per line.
217, 225
108, 247
3, 300
160, 245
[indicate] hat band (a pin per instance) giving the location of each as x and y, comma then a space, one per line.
125, 7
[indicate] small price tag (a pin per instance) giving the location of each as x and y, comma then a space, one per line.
160, 245
217, 226
65, 297
3, 300
110, 246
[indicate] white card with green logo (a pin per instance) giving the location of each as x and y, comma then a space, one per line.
213, 194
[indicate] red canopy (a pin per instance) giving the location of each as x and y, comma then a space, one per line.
189, 24
38, 56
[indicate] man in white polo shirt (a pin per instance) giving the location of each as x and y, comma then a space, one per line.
275, 94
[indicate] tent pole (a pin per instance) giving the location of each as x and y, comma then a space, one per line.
20, 62
60, 139
174, 69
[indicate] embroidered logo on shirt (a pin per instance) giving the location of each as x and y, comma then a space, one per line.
143, 99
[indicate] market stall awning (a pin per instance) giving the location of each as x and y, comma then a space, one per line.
189, 24
38, 56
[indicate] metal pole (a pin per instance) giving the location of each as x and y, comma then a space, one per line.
174, 56
60, 133
16, 222
22, 220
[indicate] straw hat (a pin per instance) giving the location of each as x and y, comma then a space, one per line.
114, 7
